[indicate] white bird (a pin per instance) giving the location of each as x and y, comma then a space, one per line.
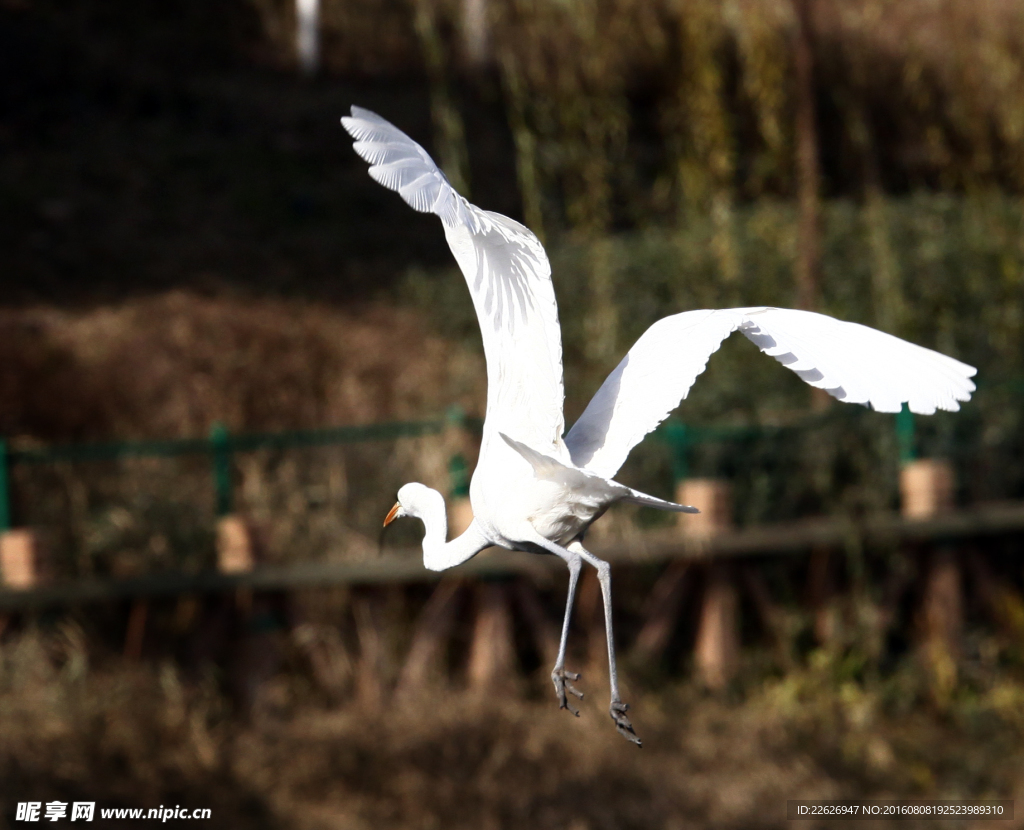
535, 490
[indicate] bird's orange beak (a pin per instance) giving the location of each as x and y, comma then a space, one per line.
391, 514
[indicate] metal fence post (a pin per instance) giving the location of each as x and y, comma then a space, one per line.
458, 475
220, 445
905, 435
679, 441
5, 488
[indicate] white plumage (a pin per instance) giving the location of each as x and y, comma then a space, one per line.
531, 489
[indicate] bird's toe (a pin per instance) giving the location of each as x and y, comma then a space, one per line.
561, 679
618, 711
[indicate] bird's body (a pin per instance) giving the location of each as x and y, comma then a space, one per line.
559, 502
535, 490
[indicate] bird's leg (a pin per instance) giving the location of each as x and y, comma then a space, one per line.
617, 709
559, 676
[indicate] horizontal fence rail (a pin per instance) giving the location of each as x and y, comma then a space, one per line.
221, 445
681, 441
652, 547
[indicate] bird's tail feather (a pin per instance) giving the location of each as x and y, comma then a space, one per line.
636, 497
546, 467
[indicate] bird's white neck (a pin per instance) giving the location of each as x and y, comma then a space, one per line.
439, 554
435, 533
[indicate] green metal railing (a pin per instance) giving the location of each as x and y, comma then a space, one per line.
221, 445
5, 487
905, 434
682, 438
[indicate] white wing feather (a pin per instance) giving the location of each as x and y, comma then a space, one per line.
853, 363
509, 278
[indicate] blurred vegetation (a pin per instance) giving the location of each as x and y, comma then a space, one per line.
144, 150
653, 146
308, 755
188, 238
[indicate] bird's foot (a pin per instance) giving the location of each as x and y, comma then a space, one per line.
561, 678
618, 711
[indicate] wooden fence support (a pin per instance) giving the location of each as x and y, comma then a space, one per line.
19, 559
135, 632
926, 488
492, 657
820, 590
425, 659
256, 655
716, 652
713, 497
236, 549
663, 613
370, 668
772, 615
545, 633
943, 619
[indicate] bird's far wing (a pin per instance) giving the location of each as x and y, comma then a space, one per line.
509, 279
653, 377
853, 363
859, 364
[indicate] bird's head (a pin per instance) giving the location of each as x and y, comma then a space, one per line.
416, 500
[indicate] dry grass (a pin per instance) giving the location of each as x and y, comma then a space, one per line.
145, 735
173, 364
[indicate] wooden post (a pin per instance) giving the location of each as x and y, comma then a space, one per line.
713, 497
717, 648
236, 551
716, 651
492, 657
424, 662
820, 585
663, 611
943, 620
256, 655
772, 615
370, 680
544, 630
19, 559
943, 609
136, 630
926, 488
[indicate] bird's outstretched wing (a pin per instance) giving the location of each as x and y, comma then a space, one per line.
853, 363
509, 278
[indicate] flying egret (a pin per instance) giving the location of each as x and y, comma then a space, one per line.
535, 490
